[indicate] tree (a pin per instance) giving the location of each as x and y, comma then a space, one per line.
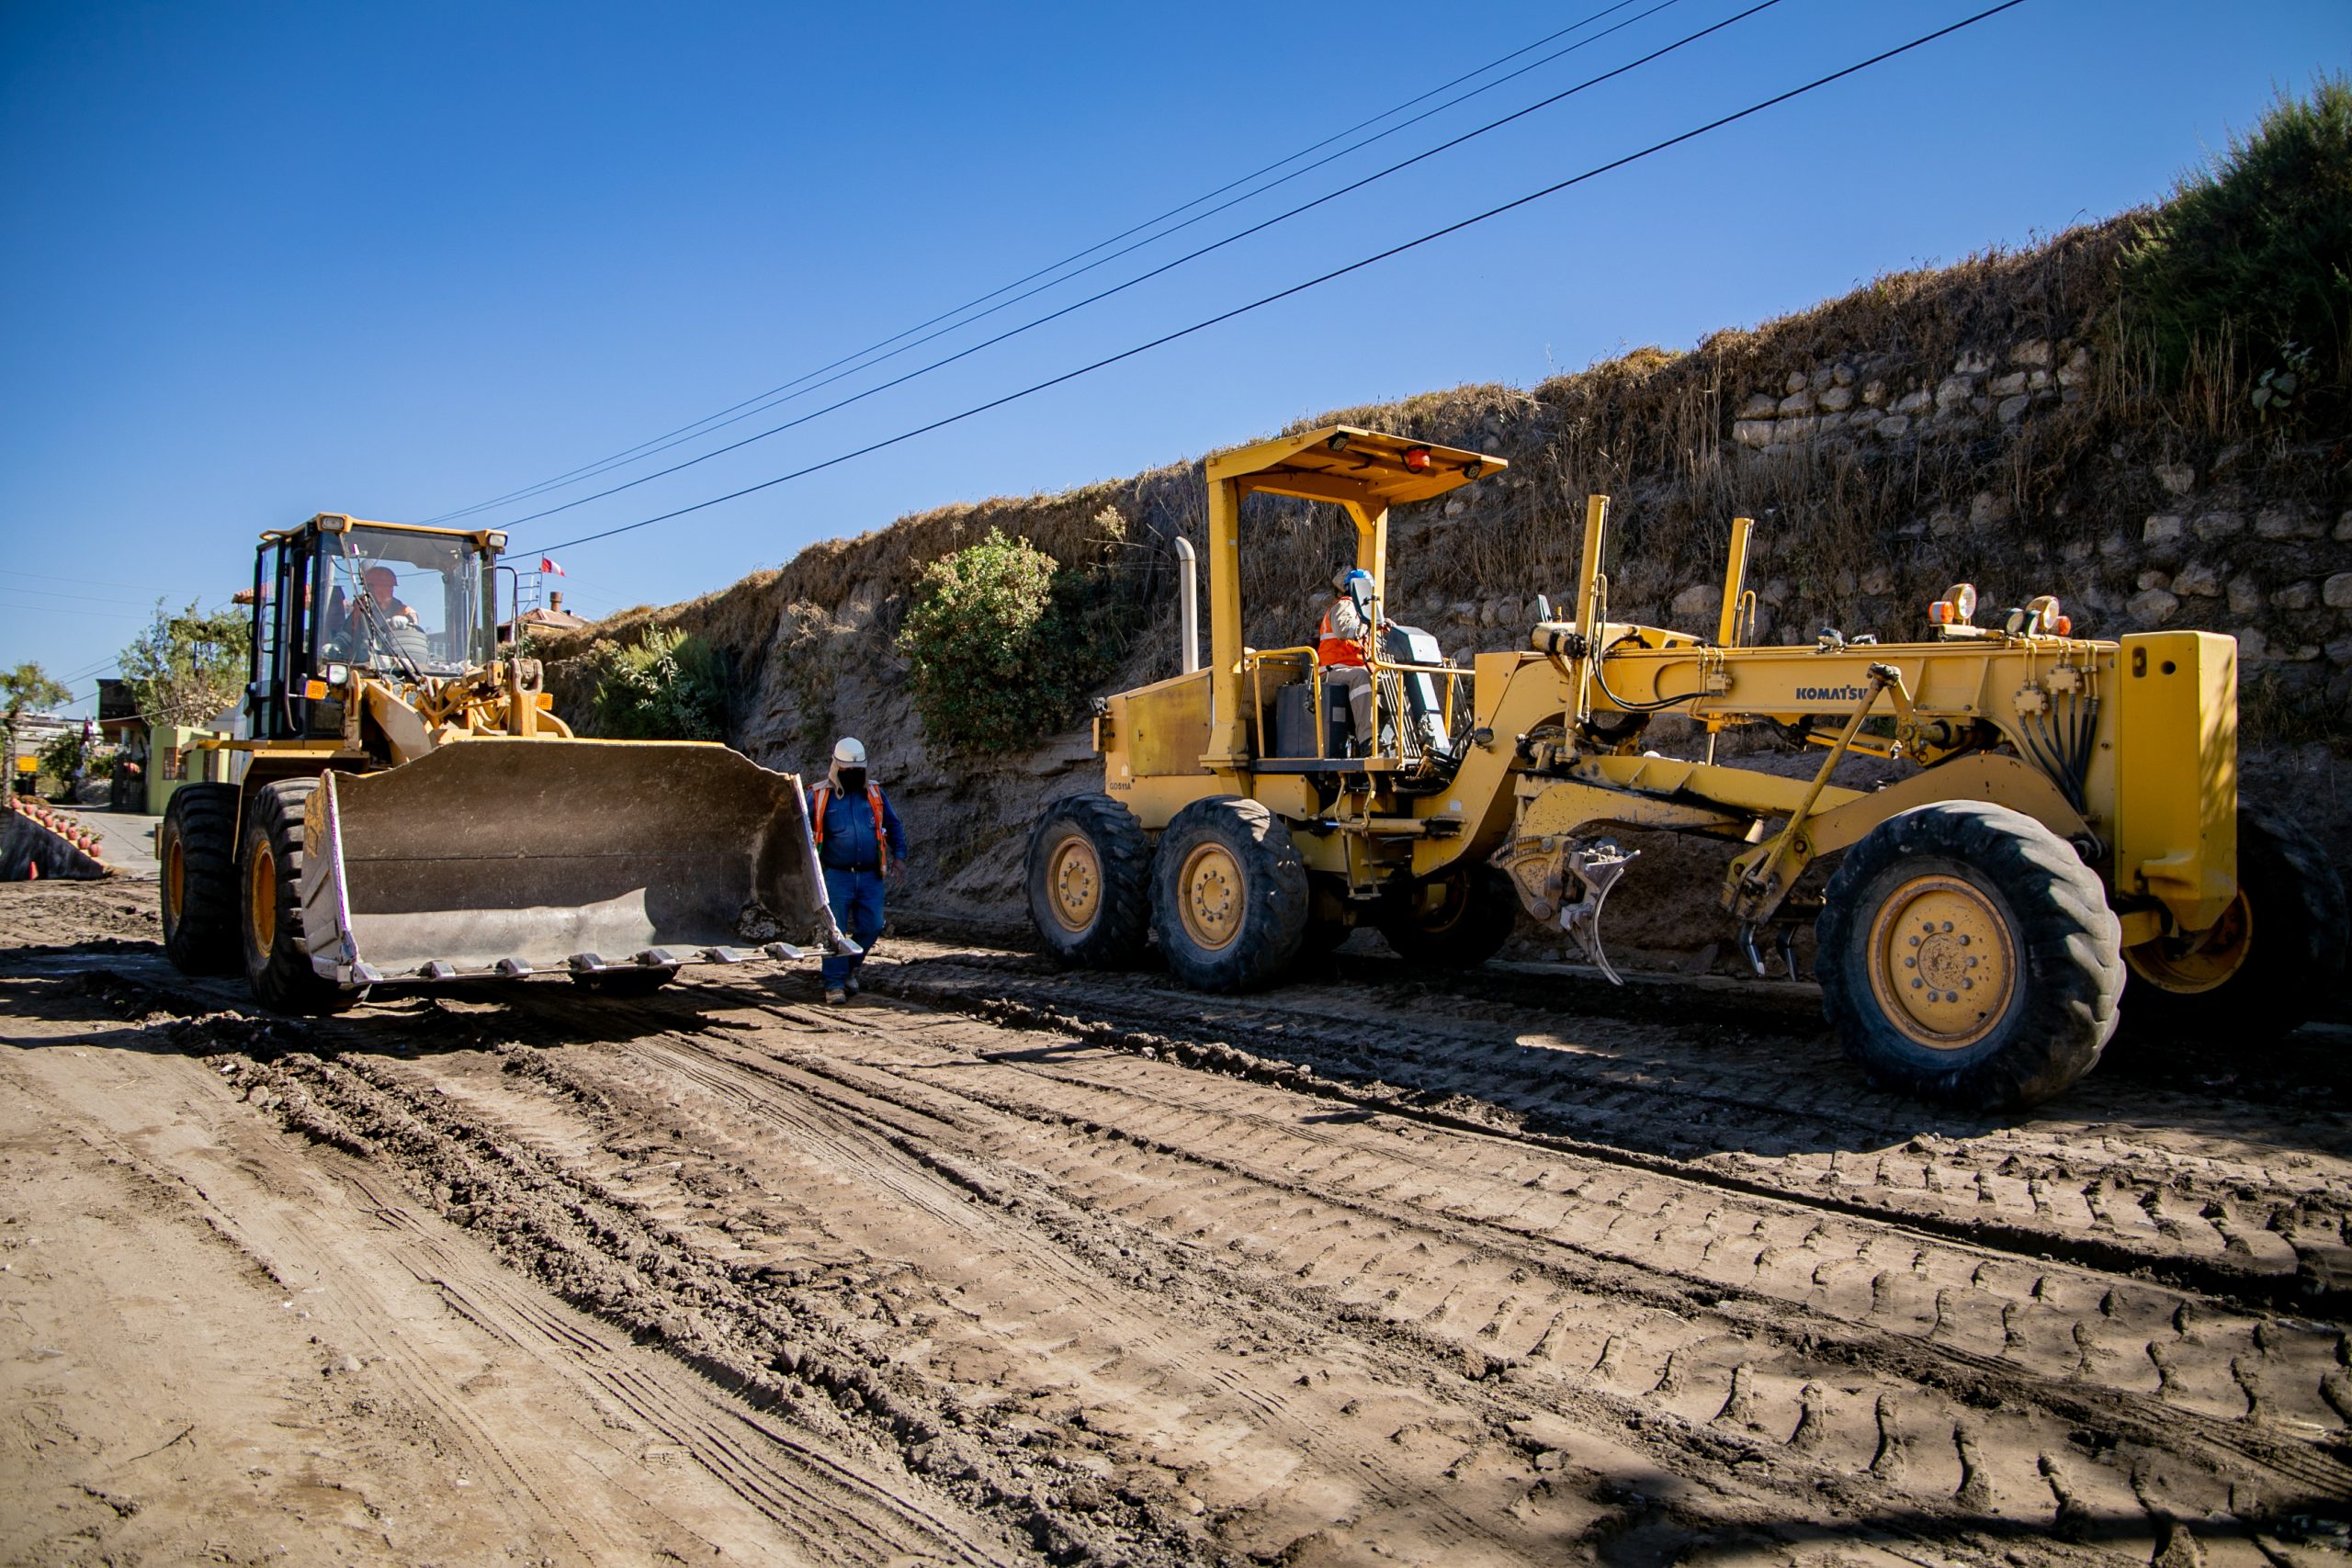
1003, 644
186, 668
665, 686
26, 686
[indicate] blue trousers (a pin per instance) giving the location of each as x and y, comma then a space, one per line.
857, 899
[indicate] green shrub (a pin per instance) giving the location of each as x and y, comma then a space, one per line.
664, 687
2252, 257
1005, 645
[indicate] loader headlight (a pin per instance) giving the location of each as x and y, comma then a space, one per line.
337, 674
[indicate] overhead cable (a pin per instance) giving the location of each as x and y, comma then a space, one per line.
768, 399
1145, 277
1454, 228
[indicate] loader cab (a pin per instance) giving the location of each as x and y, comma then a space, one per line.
414, 606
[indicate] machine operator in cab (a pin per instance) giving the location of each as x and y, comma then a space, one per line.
1339, 647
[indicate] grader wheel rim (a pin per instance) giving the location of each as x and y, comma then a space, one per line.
1210, 898
260, 899
1943, 965
2185, 966
1074, 884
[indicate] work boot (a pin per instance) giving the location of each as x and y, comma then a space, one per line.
850, 985
835, 995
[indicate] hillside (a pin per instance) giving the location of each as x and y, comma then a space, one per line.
1987, 421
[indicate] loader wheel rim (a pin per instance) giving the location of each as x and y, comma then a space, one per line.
1074, 884
175, 882
260, 899
1210, 897
2187, 965
1943, 965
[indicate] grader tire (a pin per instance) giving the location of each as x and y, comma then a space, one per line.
1480, 908
1228, 895
198, 848
1089, 883
2276, 955
1968, 957
277, 967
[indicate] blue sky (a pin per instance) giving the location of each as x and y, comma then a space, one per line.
259, 261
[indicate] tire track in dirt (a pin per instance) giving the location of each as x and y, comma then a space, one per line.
1184, 1128
1017, 1268
2218, 1214
1761, 1384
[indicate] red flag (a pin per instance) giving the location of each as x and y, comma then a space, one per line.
547, 563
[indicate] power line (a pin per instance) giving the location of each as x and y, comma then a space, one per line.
1145, 276
79, 581
662, 442
1263, 300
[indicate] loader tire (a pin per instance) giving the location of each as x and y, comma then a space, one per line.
2275, 956
1968, 957
196, 847
621, 983
270, 906
1478, 911
1089, 883
1228, 895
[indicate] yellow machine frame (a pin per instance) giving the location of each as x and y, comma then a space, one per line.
2128, 748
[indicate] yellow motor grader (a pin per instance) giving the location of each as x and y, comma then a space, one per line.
2064, 840
402, 805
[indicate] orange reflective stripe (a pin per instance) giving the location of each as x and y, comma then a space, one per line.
1333, 649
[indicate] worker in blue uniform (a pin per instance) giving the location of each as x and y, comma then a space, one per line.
860, 845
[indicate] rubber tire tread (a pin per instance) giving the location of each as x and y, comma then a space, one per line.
1121, 927
282, 979
1275, 891
2069, 945
203, 817
1476, 935
2282, 983
625, 982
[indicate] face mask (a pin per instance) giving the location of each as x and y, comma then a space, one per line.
852, 781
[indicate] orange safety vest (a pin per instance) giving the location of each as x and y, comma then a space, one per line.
1333, 649
824, 798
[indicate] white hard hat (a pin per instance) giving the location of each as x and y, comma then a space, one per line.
849, 751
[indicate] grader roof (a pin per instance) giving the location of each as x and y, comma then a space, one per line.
1345, 462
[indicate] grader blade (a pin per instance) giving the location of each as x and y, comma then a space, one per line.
507, 857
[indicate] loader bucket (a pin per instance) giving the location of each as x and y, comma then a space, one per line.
508, 856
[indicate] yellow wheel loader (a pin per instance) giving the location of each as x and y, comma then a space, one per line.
2064, 842
401, 803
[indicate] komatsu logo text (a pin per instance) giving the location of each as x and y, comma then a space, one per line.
1829, 694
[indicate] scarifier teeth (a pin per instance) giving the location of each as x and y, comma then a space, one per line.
1598, 865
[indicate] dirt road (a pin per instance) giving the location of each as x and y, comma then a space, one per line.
1004, 1266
